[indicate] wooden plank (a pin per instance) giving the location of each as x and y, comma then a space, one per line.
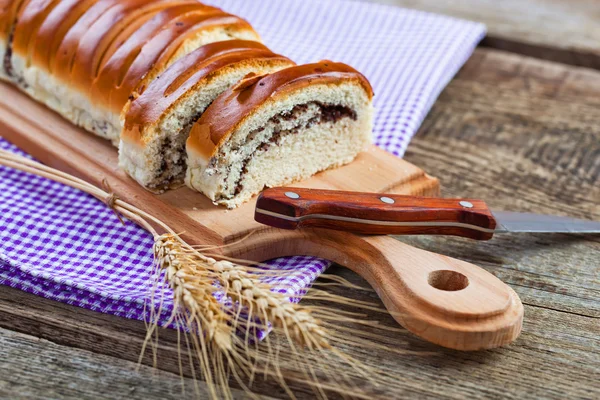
486, 374
100, 333
556, 30
531, 131
40, 369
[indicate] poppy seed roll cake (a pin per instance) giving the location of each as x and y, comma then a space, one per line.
279, 128
157, 123
85, 58
186, 91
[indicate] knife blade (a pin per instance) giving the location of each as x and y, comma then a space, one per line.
390, 214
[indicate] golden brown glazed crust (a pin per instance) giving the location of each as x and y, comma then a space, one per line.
61, 60
30, 19
187, 72
126, 69
94, 44
54, 28
9, 9
129, 43
164, 46
142, 28
230, 109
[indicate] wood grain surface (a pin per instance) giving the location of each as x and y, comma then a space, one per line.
566, 31
521, 133
40, 369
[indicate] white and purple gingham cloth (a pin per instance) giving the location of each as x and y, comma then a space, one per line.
64, 245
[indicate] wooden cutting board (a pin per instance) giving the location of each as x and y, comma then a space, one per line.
484, 313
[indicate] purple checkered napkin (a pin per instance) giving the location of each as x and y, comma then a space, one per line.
65, 245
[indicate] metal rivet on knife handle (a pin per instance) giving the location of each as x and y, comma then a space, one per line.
387, 200
292, 195
466, 204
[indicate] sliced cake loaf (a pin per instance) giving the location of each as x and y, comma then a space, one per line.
153, 75
279, 128
85, 58
157, 123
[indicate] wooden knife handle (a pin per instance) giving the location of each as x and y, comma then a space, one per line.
374, 213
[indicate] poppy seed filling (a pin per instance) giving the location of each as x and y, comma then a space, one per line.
302, 116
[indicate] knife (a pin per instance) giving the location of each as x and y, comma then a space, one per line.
390, 214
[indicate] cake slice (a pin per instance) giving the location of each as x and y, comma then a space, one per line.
157, 123
279, 128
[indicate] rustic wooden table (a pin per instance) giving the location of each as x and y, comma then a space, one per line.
520, 127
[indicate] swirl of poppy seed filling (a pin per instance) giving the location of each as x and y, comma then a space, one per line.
301, 117
173, 162
7, 61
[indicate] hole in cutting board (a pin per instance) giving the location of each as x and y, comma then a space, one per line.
449, 281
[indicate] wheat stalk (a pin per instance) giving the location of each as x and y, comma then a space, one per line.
271, 307
193, 289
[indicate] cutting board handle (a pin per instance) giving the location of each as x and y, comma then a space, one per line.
443, 300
